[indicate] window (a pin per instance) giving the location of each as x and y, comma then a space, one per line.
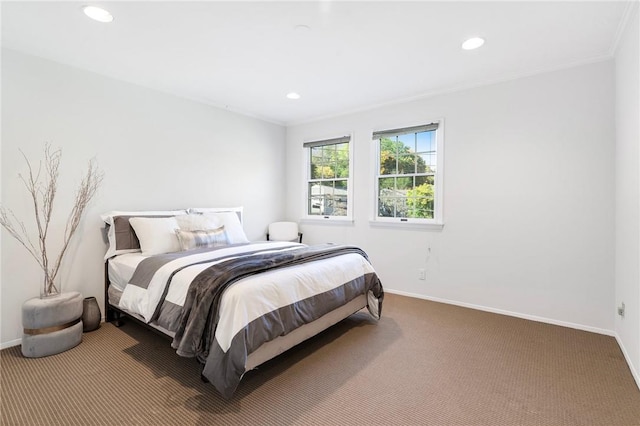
409, 175
328, 189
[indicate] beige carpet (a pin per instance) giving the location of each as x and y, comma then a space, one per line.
424, 363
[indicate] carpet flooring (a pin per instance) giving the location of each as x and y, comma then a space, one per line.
423, 363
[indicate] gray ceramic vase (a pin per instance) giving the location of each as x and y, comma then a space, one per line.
91, 315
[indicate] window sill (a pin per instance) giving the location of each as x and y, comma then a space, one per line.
338, 221
407, 225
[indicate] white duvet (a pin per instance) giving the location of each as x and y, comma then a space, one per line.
250, 297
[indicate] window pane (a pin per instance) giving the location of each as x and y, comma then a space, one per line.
406, 164
328, 198
404, 183
322, 188
407, 143
387, 157
429, 160
421, 165
420, 180
339, 201
328, 171
315, 206
330, 155
386, 183
315, 172
401, 207
316, 161
426, 141
342, 169
319, 171
328, 206
386, 207
420, 208
420, 200
315, 202
316, 154
342, 160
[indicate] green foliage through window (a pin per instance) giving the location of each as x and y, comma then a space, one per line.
328, 180
407, 175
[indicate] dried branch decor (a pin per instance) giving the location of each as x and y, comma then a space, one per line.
43, 194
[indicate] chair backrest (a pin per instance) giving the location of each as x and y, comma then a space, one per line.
283, 231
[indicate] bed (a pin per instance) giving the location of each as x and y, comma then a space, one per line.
193, 276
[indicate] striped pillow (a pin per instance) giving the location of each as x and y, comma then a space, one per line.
190, 240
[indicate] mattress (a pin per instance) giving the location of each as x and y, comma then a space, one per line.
122, 267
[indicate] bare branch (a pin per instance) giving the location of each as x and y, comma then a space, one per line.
43, 195
87, 190
21, 236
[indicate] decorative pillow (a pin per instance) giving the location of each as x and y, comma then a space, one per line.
190, 240
157, 235
230, 219
120, 234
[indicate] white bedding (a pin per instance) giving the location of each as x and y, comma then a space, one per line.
122, 267
268, 291
144, 301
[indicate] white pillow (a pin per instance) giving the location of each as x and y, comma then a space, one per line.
198, 222
230, 220
108, 218
232, 226
157, 235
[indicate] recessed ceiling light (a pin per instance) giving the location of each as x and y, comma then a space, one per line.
293, 95
97, 13
473, 43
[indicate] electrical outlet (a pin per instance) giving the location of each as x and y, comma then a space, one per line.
422, 274
621, 310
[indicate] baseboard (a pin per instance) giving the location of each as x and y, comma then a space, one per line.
634, 373
10, 343
503, 312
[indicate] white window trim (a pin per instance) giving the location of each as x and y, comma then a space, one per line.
306, 217
437, 223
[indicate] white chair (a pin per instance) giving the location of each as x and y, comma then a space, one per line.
284, 231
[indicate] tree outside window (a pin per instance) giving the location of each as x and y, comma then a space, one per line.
407, 173
328, 178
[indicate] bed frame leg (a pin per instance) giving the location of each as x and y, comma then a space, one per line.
111, 315
114, 317
118, 321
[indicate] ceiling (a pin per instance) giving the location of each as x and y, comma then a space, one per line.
246, 56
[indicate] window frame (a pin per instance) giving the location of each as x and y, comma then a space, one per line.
307, 180
437, 222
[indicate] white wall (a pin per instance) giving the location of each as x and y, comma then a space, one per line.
528, 197
627, 184
157, 151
